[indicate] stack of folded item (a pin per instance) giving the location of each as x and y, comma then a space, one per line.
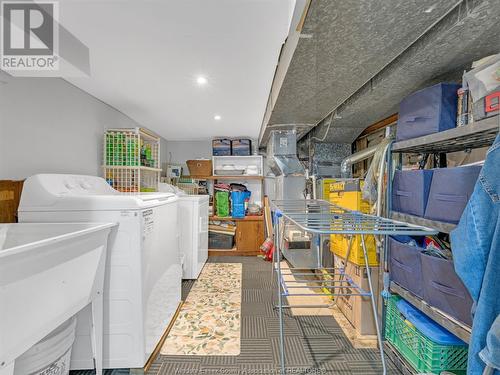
226, 227
222, 187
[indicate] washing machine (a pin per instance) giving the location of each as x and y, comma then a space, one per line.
193, 228
143, 277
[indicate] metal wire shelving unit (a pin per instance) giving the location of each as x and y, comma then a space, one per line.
320, 218
478, 134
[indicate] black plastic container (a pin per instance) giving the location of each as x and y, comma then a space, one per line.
220, 240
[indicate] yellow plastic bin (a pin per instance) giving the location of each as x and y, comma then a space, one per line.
347, 194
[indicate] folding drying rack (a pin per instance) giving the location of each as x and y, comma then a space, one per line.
320, 218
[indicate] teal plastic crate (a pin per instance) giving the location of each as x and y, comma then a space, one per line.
421, 352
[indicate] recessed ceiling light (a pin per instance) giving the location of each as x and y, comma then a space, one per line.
201, 80
217, 117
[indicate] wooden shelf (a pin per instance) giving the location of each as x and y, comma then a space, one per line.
225, 250
239, 177
246, 218
231, 252
459, 329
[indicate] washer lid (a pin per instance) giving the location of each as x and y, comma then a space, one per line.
62, 192
194, 198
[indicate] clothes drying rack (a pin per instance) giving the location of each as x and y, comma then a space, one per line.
321, 218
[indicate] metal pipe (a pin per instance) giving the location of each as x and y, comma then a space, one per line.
345, 166
280, 297
315, 193
380, 180
374, 306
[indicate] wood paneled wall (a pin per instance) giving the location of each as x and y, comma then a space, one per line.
10, 194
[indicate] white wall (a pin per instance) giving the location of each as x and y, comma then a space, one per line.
49, 126
180, 151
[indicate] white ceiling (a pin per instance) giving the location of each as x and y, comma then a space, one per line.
145, 56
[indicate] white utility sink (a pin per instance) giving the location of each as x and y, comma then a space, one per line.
48, 272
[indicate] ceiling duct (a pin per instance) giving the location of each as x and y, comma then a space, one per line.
362, 60
282, 154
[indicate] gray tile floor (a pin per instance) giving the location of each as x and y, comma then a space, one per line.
314, 344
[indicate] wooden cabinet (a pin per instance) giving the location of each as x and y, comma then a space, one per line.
10, 194
250, 234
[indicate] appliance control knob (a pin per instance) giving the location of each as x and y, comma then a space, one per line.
85, 185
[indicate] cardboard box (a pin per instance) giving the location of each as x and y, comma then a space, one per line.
357, 309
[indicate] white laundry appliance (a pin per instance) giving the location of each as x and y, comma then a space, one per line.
193, 227
142, 287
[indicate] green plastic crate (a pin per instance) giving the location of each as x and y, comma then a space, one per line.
422, 353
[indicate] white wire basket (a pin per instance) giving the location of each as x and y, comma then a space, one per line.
132, 160
189, 188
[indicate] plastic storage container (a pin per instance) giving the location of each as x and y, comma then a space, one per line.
405, 268
220, 240
450, 191
200, 168
241, 147
347, 194
428, 111
427, 346
221, 147
444, 289
51, 355
411, 191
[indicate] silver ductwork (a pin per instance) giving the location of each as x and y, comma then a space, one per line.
282, 154
345, 166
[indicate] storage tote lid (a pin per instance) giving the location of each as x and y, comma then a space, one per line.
426, 326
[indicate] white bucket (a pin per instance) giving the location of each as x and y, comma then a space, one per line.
51, 355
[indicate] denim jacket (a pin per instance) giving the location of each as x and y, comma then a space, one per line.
476, 253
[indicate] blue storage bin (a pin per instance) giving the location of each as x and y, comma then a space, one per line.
221, 147
241, 147
444, 289
410, 191
450, 191
426, 326
428, 111
405, 266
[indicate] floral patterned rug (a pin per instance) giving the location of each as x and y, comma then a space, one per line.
209, 320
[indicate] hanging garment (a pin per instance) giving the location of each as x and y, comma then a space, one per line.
491, 353
476, 252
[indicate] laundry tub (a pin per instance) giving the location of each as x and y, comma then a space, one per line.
48, 273
50, 356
